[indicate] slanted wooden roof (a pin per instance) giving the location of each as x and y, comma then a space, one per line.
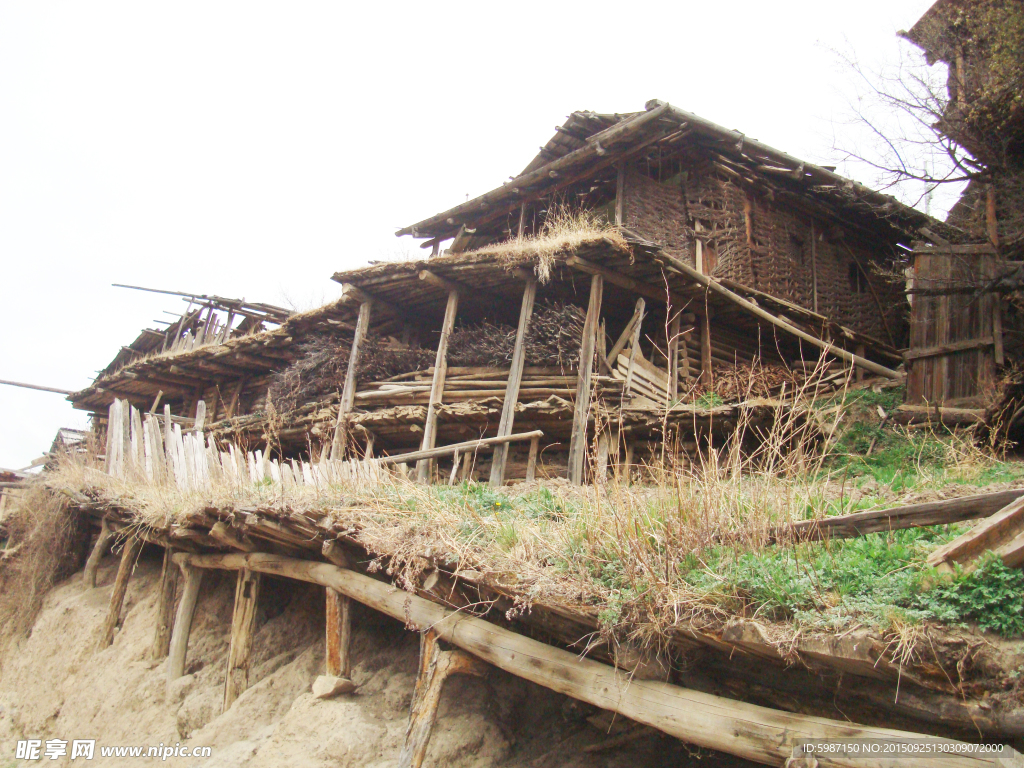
590, 143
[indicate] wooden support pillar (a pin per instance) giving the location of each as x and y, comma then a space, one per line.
603, 447
515, 378
814, 267
437, 386
620, 196
93, 563
165, 606
581, 411
673, 356
348, 394
531, 462
183, 622
339, 634
243, 624
706, 376
434, 668
129, 553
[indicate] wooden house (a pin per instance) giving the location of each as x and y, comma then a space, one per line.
702, 278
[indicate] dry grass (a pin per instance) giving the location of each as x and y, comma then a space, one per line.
564, 230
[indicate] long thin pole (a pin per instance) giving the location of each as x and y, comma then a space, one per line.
37, 386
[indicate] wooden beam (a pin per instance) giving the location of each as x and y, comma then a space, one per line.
423, 467
434, 668
897, 518
946, 349
828, 347
165, 607
129, 554
183, 620
515, 378
581, 410
635, 286
339, 444
531, 462
243, 624
102, 541
995, 531
706, 373
756, 733
673, 358
627, 332
620, 195
469, 446
339, 634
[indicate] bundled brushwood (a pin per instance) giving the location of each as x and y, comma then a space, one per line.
322, 363
734, 383
553, 339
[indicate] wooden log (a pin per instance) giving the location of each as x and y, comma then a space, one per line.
999, 529
339, 634
581, 409
243, 624
93, 563
129, 554
434, 668
448, 450
515, 376
706, 374
925, 414
183, 620
165, 607
673, 358
531, 462
348, 393
229, 537
437, 386
828, 347
897, 518
756, 733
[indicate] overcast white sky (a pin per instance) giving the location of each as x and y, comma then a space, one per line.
251, 149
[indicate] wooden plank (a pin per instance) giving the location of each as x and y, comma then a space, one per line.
673, 358
995, 531
165, 607
93, 563
339, 634
627, 332
129, 554
997, 329
183, 620
706, 374
896, 518
948, 349
339, 444
753, 732
243, 624
515, 377
437, 386
531, 462
581, 410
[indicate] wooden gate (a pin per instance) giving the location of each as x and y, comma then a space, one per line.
955, 326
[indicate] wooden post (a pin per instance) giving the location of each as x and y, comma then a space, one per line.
603, 444
434, 668
859, 375
437, 386
515, 378
706, 376
531, 462
348, 394
243, 623
93, 563
165, 606
997, 328
129, 553
183, 622
814, 267
339, 634
581, 411
620, 195
673, 356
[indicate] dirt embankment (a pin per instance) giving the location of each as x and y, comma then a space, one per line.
53, 684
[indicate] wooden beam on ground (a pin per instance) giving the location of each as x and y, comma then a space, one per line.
469, 446
756, 733
340, 442
434, 668
165, 606
129, 554
515, 378
423, 467
183, 620
927, 513
581, 409
828, 347
243, 624
997, 530
98, 550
